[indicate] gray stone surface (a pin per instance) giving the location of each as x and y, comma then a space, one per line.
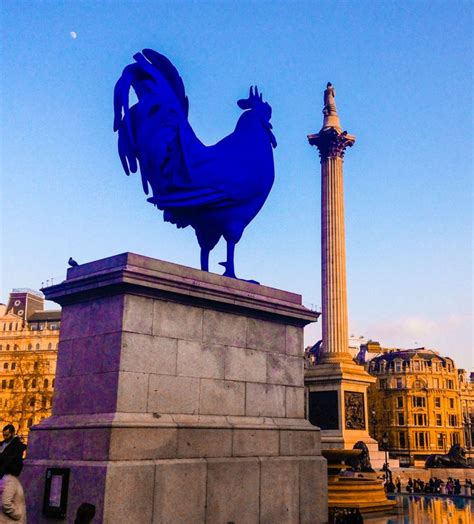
243, 364
149, 354
284, 369
294, 402
255, 443
167, 394
138, 315
265, 400
132, 392
266, 336
143, 443
201, 360
279, 491
224, 328
233, 491
180, 492
175, 320
128, 489
313, 490
202, 442
222, 397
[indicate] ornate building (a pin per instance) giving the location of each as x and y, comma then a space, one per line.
416, 402
29, 337
466, 389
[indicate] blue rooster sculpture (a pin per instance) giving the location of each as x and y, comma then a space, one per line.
218, 189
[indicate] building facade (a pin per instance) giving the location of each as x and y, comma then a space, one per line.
466, 390
416, 402
29, 337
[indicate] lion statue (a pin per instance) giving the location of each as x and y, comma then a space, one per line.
455, 458
362, 461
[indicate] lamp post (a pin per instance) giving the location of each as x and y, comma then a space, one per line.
385, 448
373, 421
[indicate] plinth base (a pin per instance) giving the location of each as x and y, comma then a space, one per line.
367, 495
179, 398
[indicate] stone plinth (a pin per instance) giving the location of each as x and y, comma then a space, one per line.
179, 398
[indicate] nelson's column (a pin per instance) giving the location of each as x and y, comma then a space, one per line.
336, 385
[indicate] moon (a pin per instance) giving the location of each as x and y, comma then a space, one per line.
73, 35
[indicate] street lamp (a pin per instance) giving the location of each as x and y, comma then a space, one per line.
373, 420
385, 448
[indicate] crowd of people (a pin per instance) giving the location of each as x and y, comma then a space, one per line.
440, 487
12, 495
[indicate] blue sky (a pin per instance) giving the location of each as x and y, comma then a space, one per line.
403, 77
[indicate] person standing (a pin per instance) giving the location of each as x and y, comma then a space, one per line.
11, 448
13, 507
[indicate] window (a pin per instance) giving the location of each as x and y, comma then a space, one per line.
33, 383
401, 419
26, 383
419, 402
10, 384
436, 383
401, 439
439, 420
30, 346
437, 402
8, 347
1, 347
46, 383
399, 383
52, 383
451, 403
37, 346
5, 366
13, 365
454, 438
50, 346
441, 437
419, 419
10, 326
383, 383
452, 420
398, 366
450, 384
416, 365
399, 402
44, 401
32, 402
421, 439
4, 384
16, 347
35, 365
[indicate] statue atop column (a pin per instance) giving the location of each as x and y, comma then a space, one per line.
331, 118
329, 100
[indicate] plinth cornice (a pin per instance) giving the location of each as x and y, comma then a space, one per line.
331, 142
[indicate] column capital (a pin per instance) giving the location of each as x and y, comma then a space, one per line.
331, 142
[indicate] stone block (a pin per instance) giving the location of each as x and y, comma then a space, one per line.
247, 365
169, 394
265, 335
300, 442
294, 402
284, 369
66, 444
233, 491
143, 443
255, 443
106, 315
294, 341
313, 481
200, 360
180, 492
221, 397
148, 354
68, 398
128, 490
177, 320
264, 400
279, 491
75, 321
38, 444
138, 315
96, 444
224, 328
132, 392
63, 364
204, 442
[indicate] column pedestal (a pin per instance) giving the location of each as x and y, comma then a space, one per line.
179, 398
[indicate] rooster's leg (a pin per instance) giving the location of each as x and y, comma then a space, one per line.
205, 259
229, 264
